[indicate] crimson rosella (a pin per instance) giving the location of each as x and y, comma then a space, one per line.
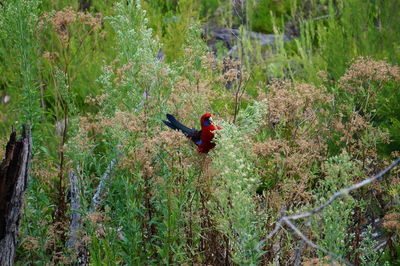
202, 138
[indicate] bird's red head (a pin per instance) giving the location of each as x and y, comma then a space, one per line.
206, 120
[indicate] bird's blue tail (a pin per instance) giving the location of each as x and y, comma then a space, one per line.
176, 125
191, 133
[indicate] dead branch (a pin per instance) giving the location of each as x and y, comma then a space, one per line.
288, 219
75, 210
14, 173
312, 244
104, 178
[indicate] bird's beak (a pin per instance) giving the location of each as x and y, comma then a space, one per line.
210, 119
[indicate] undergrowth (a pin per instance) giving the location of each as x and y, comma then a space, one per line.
300, 120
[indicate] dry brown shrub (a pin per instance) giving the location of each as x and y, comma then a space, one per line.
232, 69
170, 141
98, 217
51, 56
359, 136
62, 19
189, 98
319, 262
30, 243
97, 220
273, 147
392, 222
209, 62
56, 234
324, 75
293, 112
366, 77
288, 102
365, 70
98, 99
193, 91
122, 120
120, 73
274, 200
44, 170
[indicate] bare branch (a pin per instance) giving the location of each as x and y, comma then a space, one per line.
343, 192
104, 178
75, 210
76, 221
312, 244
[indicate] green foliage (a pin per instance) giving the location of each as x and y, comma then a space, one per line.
235, 212
38, 215
334, 42
17, 24
260, 13
369, 255
136, 48
331, 229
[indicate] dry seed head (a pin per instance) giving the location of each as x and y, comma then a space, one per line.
208, 61
98, 217
60, 21
63, 18
392, 222
365, 70
50, 56
300, 102
30, 243
323, 75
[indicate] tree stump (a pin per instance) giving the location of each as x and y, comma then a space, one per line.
13, 182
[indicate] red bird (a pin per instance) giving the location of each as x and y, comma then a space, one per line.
202, 138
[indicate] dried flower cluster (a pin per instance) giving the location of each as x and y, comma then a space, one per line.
98, 99
45, 171
97, 221
365, 70
294, 113
193, 93
120, 73
172, 142
358, 135
298, 102
232, 69
51, 56
61, 21
392, 222
122, 120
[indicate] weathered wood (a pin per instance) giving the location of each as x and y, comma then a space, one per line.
75, 211
14, 171
83, 256
100, 188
